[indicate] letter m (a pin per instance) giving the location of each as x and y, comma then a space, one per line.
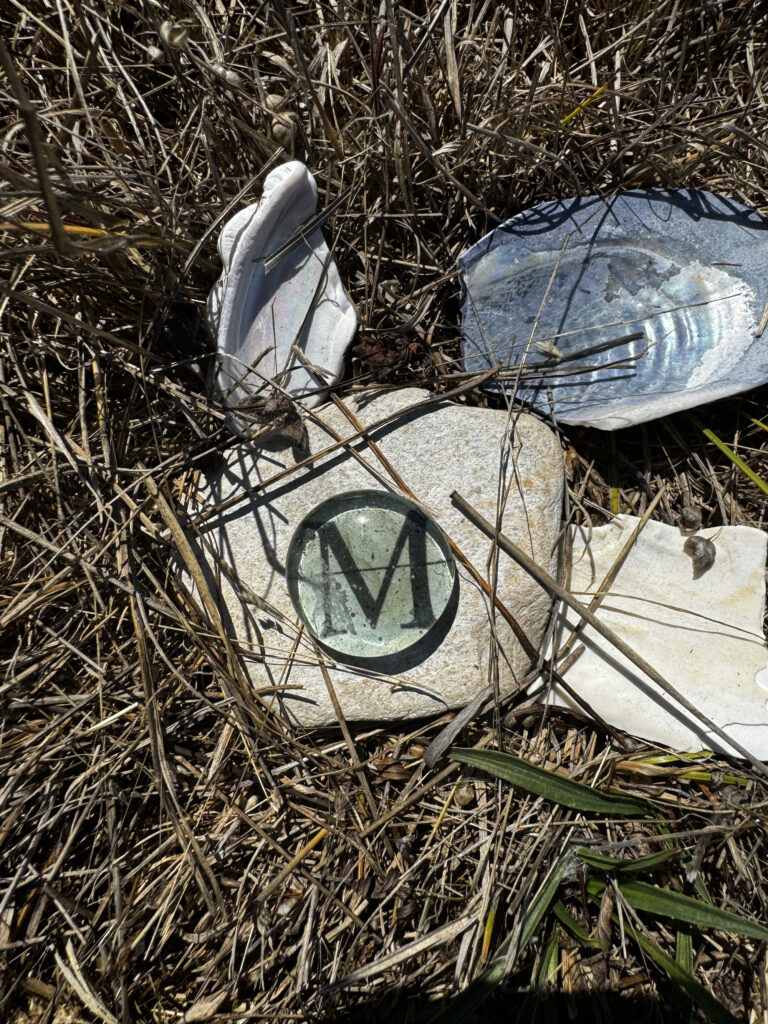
414, 535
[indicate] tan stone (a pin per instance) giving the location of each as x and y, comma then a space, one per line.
436, 450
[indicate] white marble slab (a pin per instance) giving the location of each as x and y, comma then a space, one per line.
705, 634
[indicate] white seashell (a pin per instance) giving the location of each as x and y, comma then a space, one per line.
704, 634
260, 317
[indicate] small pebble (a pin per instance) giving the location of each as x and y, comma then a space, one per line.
284, 129
174, 35
285, 907
690, 519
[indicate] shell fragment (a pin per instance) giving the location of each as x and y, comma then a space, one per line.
286, 322
621, 309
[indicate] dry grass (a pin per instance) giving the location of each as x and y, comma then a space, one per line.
166, 846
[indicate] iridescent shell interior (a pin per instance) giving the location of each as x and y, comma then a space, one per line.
620, 310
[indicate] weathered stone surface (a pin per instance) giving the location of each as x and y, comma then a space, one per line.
436, 450
704, 634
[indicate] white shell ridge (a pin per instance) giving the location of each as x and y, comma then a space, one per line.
260, 318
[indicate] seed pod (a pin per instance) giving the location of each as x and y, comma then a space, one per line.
230, 77
690, 519
702, 553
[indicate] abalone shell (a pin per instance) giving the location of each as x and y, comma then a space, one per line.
620, 309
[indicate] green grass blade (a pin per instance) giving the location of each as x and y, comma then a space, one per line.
624, 865
666, 903
547, 969
729, 453
683, 978
681, 1005
542, 902
684, 951
687, 865
701, 889
742, 412
572, 926
547, 784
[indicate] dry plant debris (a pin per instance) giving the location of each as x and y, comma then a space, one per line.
168, 850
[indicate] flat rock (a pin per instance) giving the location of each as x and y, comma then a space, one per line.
704, 635
436, 449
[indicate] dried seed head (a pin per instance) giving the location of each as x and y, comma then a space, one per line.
702, 553
154, 52
690, 519
174, 35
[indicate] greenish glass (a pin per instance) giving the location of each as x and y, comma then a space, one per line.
370, 574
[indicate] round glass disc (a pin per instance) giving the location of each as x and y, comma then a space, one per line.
369, 573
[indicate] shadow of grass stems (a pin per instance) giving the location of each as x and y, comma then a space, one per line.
612, 885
